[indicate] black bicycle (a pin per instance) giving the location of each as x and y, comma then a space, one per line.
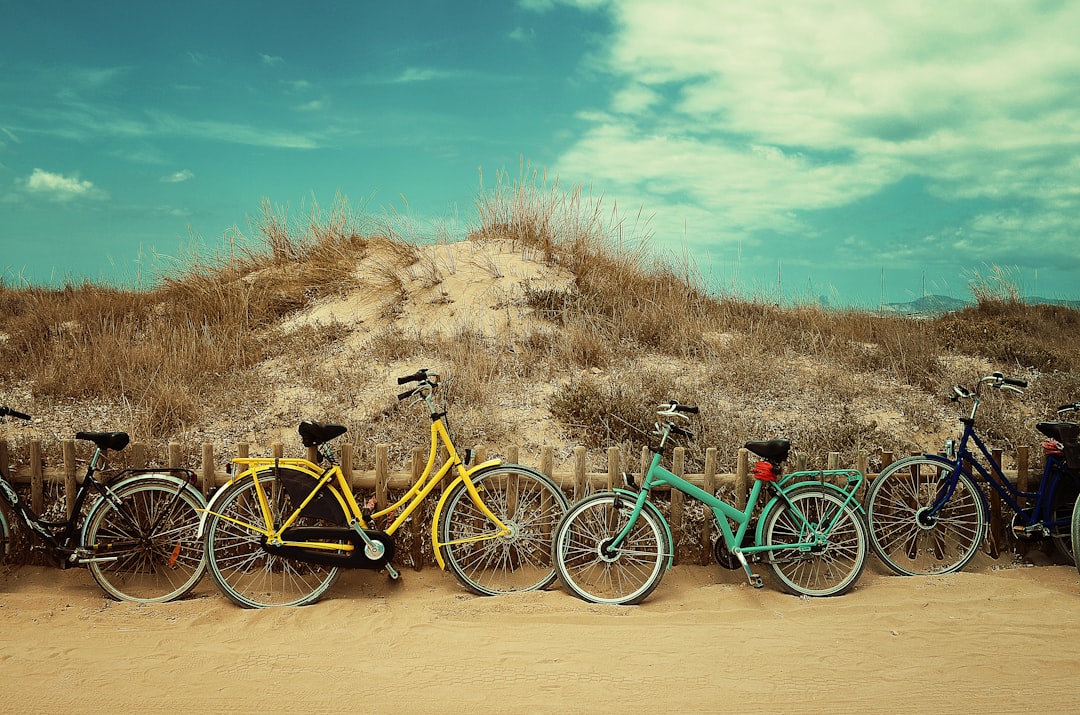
139, 538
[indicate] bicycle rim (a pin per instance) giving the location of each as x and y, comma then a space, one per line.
829, 570
1062, 501
242, 569
905, 537
1076, 532
530, 504
594, 574
148, 545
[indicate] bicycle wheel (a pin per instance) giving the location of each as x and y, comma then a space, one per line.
12, 542
145, 546
626, 576
1062, 501
529, 503
244, 571
905, 537
1076, 532
827, 570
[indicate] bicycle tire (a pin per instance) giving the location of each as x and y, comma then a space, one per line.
528, 502
1066, 488
150, 536
1076, 533
591, 573
246, 573
835, 568
12, 542
896, 499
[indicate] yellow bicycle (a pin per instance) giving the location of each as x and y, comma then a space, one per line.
278, 533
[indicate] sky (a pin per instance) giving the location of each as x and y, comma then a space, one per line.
841, 151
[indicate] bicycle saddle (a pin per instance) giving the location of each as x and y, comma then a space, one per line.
312, 434
1064, 432
105, 440
775, 450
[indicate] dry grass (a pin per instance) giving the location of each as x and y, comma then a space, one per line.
635, 328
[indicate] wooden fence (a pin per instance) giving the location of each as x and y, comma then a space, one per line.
576, 482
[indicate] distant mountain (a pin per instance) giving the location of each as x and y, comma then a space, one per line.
927, 305
936, 304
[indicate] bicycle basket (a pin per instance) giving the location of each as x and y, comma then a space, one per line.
324, 506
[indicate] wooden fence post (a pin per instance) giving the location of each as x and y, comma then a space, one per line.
678, 468
4, 461
709, 479
613, 468
742, 469
37, 480
382, 475
174, 455
208, 478
417, 468
137, 455
277, 450
70, 486
995, 512
579, 473
345, 461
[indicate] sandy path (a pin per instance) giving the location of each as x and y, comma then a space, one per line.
989, 640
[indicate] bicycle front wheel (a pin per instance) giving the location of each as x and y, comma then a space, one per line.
1076, 533
594, 573
529, 503
827, 569
246, 572
145, 545
910, 540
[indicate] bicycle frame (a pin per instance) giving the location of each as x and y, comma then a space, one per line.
334, 479
723, 512
996, 478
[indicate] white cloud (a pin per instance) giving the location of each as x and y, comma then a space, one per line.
179, 177
314, 105
749, 116
58, 187
271, 60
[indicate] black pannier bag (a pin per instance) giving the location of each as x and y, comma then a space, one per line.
298, 486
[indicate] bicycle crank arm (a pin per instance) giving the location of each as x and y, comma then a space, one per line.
754, 579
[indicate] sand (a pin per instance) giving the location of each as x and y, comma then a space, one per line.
998, 637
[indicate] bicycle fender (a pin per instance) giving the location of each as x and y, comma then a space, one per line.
435, 545
776, 501
161, 477
656, 512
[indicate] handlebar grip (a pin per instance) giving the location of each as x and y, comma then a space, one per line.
418, 375
689, 409
675, 429
1074, 407
405, 395
13, 413
1014, 382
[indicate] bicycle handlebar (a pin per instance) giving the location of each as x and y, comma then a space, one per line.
674, 406
1074, 407
8, 412
420, 374
427, 378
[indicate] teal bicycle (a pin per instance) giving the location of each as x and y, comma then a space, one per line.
613, 547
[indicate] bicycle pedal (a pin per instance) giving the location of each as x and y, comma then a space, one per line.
756, 581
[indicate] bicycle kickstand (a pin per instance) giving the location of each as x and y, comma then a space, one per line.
392, 572
754, 579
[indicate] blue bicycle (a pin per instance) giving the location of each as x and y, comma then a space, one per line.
927, 514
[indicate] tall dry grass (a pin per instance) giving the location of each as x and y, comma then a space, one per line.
636, 327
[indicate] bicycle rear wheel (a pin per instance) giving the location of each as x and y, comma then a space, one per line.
905, 536
529, 503
145, 546
1066, 488
828, 570
625, 576
244, 571
12, 542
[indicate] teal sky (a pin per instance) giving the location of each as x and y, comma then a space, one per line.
809, 148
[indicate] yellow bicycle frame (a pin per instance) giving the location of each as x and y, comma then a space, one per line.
342, 492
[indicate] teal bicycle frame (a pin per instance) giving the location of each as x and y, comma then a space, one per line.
812, 535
